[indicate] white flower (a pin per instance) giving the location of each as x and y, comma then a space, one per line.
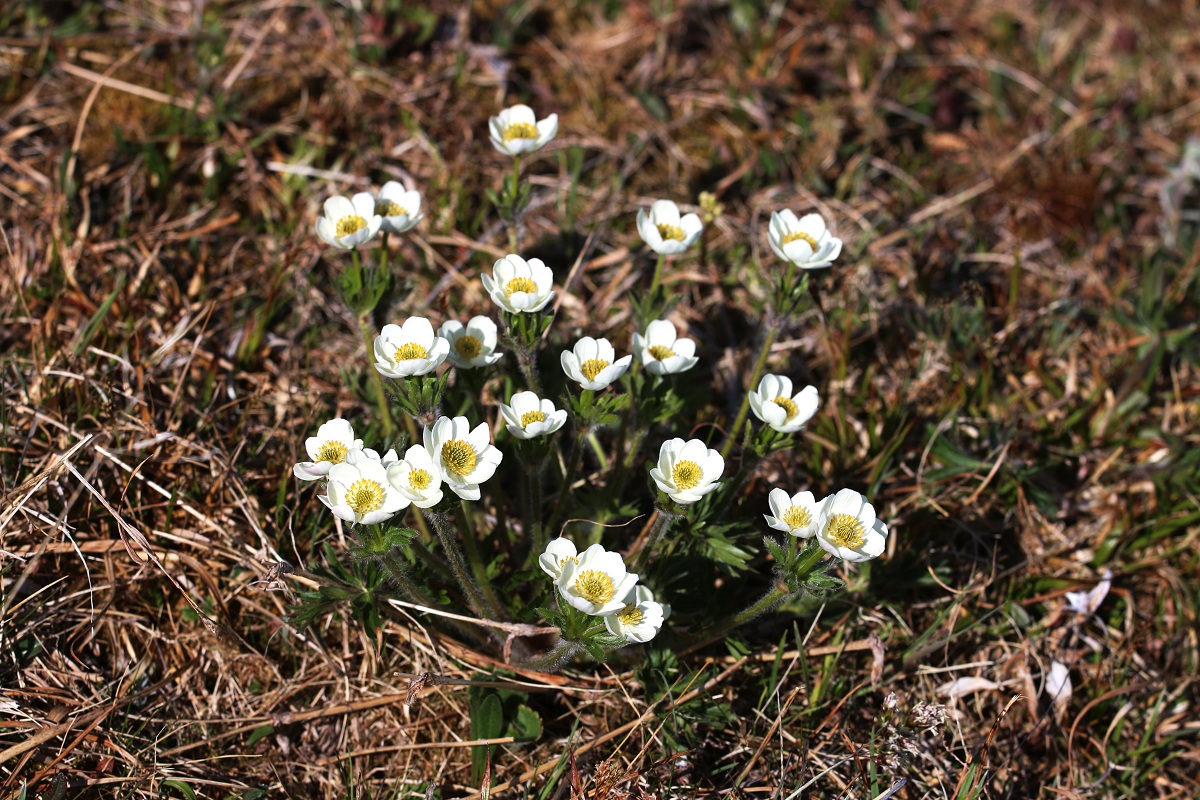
797, 515
519, 285
662, 351
665, 231
1086, 603
558, 552
774, 403
334, 440
417, 477
596, 582
400, 208
347, 223
387, 459
593, 363
516, 130
848, 529
409, 349
360, 492
687, 471
465, 457
639, 619
472, 345
805, 241
527, 416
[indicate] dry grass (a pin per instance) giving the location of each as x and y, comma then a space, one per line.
1007, 359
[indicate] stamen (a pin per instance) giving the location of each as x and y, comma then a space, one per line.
459, 457
520, 284
793, 236
670, 232
348, 225
787, 405
593, 367
630, 615
364, 496
530, 417
468, 346
409, 351
419, 480
333, 452
520, 130
845, 531
390, 208
595, 586
686, 474
660, 352
797, 517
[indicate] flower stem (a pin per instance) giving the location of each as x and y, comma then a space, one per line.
527, 360
555, 659
658, 268
395, 570
661, 525
759, 366
383, 253
381, 397
477, 566
514, 234
458, 565
568, 478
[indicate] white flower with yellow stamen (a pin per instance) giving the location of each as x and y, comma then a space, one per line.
526, 416
773, 403
417, 477
688, 470
465, 457
400, 208
558, 552
848, 529
593, 363
805, 242
360, 492
662, 351
665, 230
409, 349
798, 514
348, 222
387, 459
519, 285
640, 617
517, 130
471, 345
333, 442
596, 582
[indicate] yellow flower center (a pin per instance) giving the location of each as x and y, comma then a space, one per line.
670, 231
572, 559
459, 457
520, 284
792, 236
468, 346
595, 586
845, 531
410, 350
686, 474
630, 615
419, 480
530, 417
348, 225
660, 352
593, 367
787, 405
390, 208
520, 130
364, 496
333, 452
797, 517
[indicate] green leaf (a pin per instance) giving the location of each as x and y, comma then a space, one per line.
527, 727
258, 734
487, 722
179, 786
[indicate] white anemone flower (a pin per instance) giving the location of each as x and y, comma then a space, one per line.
848, 529
387, 459
662, 351
688, 470
409, 349
596, 582
593, 363
517, 130
360, 492
348, 222
773, 403
526, 416
519, 285
639, 619
558, 552
805, 242
665, 231
400, 208
417, 477
333, 442
797, 514
465, 457
471, 345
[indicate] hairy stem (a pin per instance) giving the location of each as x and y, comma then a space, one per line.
661, 525
554, 659
759, 366
458, 565
467, 530
381, 397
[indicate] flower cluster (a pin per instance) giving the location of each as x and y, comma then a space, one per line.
350, 222
597, 583
412, 349
844, 523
